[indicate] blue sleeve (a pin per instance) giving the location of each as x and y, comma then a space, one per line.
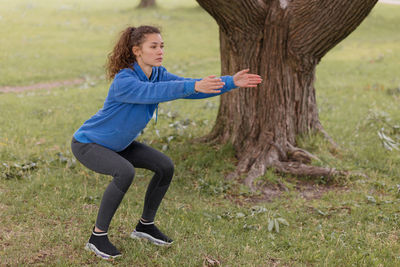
229, 85
128, 88
228, 80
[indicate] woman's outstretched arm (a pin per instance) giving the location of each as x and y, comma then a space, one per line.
212, 86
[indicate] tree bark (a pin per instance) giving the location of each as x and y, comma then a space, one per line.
147, 3
283, 41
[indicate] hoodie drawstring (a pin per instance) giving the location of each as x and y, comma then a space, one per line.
156, 113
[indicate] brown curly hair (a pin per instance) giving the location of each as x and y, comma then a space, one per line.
122, 56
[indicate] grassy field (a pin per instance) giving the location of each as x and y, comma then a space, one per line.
48, 202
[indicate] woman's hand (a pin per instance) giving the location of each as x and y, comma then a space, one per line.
209, 85
245, 79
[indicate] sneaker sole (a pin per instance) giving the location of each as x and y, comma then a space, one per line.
140, 235
91, 247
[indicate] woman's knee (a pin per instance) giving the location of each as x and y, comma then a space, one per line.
124, 176
166, 171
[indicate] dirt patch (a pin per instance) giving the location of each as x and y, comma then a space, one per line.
39, 86
309, 190
305, 189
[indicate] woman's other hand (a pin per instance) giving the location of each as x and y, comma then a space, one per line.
209, 85
245, 79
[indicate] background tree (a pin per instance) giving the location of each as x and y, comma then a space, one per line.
283, 41
147, 3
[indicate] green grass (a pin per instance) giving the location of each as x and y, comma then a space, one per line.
48, 202
52, 40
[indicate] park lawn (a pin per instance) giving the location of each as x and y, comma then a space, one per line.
48, 202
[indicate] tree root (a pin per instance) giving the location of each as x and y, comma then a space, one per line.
300, 155
300, 169
295, 162
287, 159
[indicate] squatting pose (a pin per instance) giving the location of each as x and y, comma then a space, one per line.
106, 144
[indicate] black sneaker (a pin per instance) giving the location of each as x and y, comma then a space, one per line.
149, 231
101, 246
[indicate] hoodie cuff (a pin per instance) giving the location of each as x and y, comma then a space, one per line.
188, 88
229, 83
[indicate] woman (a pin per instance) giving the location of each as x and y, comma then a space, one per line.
106, 142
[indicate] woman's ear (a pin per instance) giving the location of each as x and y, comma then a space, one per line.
136, 50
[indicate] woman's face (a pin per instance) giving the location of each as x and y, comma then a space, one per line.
151, 52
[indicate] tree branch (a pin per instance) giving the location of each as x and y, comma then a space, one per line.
317, 26
235, 14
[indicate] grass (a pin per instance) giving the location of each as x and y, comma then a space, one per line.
52, 40
48, 202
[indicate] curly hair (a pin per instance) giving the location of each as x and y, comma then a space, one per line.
122, 56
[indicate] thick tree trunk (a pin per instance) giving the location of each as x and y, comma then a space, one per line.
147, 3
283, 41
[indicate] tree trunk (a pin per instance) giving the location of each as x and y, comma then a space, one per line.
147, 3
283, 41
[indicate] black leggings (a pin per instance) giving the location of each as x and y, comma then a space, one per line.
121, 165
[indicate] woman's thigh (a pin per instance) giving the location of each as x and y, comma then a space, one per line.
146, 157
99, 159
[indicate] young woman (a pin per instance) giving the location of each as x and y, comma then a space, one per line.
106, 142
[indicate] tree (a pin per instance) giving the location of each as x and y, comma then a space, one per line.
147, 3
283, 41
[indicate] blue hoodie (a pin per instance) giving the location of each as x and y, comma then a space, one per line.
130, 104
